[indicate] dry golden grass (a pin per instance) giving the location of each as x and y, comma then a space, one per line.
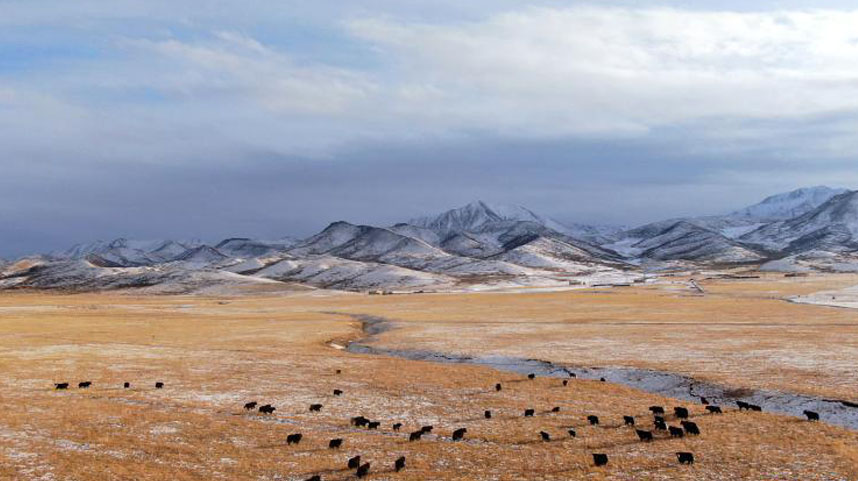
215, 354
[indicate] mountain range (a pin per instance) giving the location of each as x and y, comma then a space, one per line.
477, 246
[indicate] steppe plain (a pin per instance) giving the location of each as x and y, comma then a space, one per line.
216, 353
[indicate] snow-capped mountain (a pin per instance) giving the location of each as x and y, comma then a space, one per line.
476, 246
246, 248
789, 204
833, 227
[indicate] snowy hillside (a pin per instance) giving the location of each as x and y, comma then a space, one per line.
476, 246
789, 204
833, 226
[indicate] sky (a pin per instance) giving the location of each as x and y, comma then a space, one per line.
208, 119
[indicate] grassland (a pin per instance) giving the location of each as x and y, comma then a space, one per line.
215, 354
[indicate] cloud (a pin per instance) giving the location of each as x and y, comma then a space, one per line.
549, 71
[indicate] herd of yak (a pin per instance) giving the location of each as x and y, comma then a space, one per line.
599, 459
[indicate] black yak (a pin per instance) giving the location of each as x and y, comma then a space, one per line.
315, 407
267, 409
373, 425
680, 412
531, 376
338, 392
676, 432
714, 409
811, 416
399, 465
415, 436
294, 438
644, 435
61, 385
354, 462
84, 384
685, 458
335, 443
159, 385
555, 409
545, 436
363, 470
396, 426
459, 434
691, 428
594, 420
487, 414
600, 459
572, 433
528, 413
126, 385
250, 406
657, 409
629, 420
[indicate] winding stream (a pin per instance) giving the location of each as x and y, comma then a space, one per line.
833, 411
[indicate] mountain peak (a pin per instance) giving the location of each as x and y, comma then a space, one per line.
790, 204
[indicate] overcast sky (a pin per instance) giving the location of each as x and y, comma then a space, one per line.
207, 119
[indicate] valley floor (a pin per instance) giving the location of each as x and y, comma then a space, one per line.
214, 354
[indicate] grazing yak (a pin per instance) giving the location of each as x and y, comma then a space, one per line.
363, 470
660, 425
339, 371
676, 432
359, 421
811, 416
498, 387
565, 382
528, 413
294, 438
315, 407
335, 443
373, 425
594, 420
459, 434
545, 436
572, 433
756, 408
704, 401
657, 410
644, 436
743, 405
691, 428
250, 406
84, 384
629, 420
531, 376
487, 414
354, 462
714, 409
159, 385
338, 392
427, 429
600, 459
415, 436
680, 412
555, 409
396, 426
61, 385
267, 409
399, 465
685, 458
602, 379
126, 385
